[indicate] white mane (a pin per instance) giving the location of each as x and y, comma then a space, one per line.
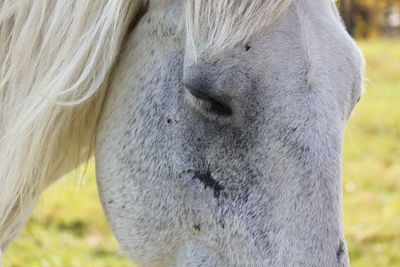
55, 59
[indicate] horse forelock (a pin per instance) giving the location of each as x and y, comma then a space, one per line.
214, 26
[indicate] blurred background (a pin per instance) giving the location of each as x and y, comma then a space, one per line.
68, 227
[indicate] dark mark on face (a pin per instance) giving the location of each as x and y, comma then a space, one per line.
209, 182
197, 227
340, 251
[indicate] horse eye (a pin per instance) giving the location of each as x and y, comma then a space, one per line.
219, 108
247, 47
210, 101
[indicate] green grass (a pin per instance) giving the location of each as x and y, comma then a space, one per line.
372, 162
68, 227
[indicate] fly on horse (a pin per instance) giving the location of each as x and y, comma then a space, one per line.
216, 125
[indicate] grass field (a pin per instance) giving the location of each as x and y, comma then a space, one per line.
69, 229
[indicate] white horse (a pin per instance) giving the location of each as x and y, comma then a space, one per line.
217, 125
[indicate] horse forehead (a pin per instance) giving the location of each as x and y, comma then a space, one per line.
163, 19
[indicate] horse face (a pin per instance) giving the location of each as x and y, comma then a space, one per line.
230, 159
